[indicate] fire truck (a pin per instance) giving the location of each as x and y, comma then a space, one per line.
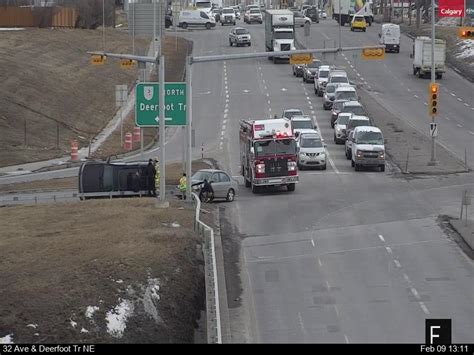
268, 153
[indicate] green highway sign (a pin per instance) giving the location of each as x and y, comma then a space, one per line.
147, 104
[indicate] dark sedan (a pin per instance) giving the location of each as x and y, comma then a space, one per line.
310, 70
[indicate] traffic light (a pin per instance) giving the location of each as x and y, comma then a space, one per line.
466, 32
373, 53
434, 96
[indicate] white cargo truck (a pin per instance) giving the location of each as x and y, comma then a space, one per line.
279, 32
344, 10
422, 57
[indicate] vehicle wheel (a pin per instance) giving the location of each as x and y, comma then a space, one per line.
274, 60
316, 92
250, 44
324, 166
255, 189
184, 25
230, 195
230, 43
234, 23
439, 76
222, 23
291, 187
352, 163
348, 156
364, 29
304, 79
247, 183
382, 167
307, 23
320, 94
352, 29
335, 140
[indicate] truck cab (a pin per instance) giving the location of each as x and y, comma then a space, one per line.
279, 32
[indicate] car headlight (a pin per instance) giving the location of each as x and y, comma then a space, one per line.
358, 154
381, 155
338, 130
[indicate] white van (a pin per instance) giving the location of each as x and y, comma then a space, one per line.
390, 37
195, 18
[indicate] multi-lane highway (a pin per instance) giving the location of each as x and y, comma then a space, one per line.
348, 257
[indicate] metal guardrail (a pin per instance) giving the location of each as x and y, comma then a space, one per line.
214, 331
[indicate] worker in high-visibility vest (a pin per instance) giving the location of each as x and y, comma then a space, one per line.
157, 175
182, 186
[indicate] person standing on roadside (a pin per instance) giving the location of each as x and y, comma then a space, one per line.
157, 174
150, 177
182, 186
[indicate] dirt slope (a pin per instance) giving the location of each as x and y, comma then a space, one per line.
117, 255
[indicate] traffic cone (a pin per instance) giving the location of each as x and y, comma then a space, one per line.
128, 141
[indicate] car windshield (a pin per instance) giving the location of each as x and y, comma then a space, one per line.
337, 106
369, 138
359, 19
311, 143
283, 146
346, 95
357, 123
356, 110
228, 11
311, 12
201, 175
323, 73
342, 119
330, 89
339, 79
302, 124
284, 35
314, 65
241, 31
289, 114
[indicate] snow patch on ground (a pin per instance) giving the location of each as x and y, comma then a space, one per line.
90, 311
84, 330
32, 325
466, 48
12, 29
73, 324
117, 318
151, 299
7, 339
119, 281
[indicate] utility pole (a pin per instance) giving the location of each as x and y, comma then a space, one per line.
433, 77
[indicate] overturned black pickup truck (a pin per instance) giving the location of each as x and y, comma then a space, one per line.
118, 179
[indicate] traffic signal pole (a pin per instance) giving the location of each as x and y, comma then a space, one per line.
433, 77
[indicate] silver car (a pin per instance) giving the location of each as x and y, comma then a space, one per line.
328, 96
222, 183
311, 151
301, 20
340, 127
240, 36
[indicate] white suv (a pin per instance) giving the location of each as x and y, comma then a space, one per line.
368, 148
321, 82
228, 16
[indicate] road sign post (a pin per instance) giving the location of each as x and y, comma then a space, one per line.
120, 99
147, 104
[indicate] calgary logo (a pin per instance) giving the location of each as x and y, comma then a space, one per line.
451, 12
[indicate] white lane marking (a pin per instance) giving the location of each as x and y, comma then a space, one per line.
246, 91
312, 112
283, 89
226, 100
268, 95
263, 81
416, 96
381, 238
409, 90
459, 99
370, 88
358, 75
226, 110
312, 242
260, 68
448, 118
225, 115
415, 293
397, 263
227, 95
459, 125
466, 104
425, 103
300, 319
407, 279
269, 102
307, 97
223, 127
389, 250
266, 89
471, 132
361, 78
352, 66
224, 122
319, 262
328, 285
424, 308
311, 107
346, 338
337, 310
270, 109
222, 133
453, 94
472, 108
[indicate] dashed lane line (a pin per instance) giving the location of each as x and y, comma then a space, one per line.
416, 96
397, 263
407, 279
381, 238
424, 308
471, 132
389, 250
453, 94
312, 242
459, 99
459, 125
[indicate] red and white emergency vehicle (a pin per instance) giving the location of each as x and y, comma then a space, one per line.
268, 153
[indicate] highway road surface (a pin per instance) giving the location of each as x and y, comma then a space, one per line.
348, 257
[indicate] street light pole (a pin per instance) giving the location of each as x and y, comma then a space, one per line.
189, 118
